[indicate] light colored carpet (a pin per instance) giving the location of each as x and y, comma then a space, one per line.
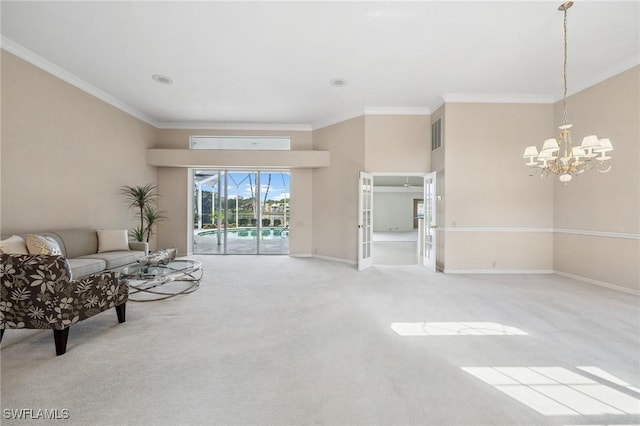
395, 253
284, 341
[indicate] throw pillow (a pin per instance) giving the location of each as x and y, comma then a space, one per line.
13, 245
39, 244
112, 240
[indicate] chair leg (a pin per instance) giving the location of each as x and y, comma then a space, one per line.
1, 333
121, 311
60, 337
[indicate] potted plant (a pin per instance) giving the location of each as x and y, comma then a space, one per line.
143, 199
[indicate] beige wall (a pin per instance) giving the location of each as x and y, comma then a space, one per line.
500, 251
335, 190
301, 222
488, 190
608, 261
65, 154
609, 202
397, 143
173, 184
373, 143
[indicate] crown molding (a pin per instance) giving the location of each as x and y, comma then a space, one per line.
40, 62
12, 47
371, 111
612, 71
397, 111
337, 119
236, 126
497, 99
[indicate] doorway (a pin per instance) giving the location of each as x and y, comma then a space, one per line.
241, 212
372, 235
397, 201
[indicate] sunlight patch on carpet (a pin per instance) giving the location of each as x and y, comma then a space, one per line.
557, 391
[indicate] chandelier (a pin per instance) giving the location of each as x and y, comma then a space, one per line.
560, 157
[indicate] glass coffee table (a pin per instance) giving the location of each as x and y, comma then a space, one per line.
157, 282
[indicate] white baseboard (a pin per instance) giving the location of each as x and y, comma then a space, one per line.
301, 255
336, 259
599, 283
498, 271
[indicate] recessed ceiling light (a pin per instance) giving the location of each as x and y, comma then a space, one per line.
338, 82
163, 79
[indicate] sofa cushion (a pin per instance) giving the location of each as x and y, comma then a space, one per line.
77, 242
115, 259
112, 240
14, 245
40, 244
82, 267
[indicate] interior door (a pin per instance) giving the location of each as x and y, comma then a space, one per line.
430, 221
365, 221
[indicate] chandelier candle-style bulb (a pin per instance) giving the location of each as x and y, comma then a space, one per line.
558, 156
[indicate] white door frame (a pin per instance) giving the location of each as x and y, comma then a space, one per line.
365, 220
430, 209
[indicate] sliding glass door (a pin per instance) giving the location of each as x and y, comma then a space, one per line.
241, 212
274, 217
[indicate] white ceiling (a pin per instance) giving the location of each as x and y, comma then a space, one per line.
270, 63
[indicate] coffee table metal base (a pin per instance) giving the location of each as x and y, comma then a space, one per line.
153, 289
150, 283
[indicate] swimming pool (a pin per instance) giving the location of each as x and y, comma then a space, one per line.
270, 233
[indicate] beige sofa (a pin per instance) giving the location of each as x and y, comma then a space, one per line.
54, 291
80, 248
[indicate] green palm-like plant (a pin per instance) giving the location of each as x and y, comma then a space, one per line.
151, 217
142, 198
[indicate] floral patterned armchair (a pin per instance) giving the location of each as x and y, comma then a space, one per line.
37, 292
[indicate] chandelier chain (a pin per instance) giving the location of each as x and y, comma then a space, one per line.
564, 96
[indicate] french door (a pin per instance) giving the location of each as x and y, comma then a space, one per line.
427, 218
365, 221
429, 229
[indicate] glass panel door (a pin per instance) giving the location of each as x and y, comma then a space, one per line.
274, 223
207, 215
365, 221
241, 212
430, 221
